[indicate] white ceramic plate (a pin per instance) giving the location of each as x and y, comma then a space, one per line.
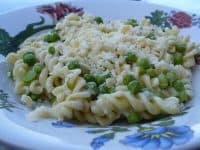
175, 132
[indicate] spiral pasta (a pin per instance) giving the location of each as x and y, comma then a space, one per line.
98, 72
121, 101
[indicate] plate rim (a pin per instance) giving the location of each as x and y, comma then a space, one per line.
68, 1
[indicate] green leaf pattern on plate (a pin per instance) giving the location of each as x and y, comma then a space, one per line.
159, 18
4, 103
11, 44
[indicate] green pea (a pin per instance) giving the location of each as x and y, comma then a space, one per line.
52, 99
178, 59
98, 20
143, 62
171, 77
141, 71
178, 85
151, 36
89, 77
93, 88
183, 96
158, 93
35, 97
29, 58
108, 75
103, 89
151, 72
51, 50
30, 76
128, 78
101, 78
130, 57
134, 87
163, 82
38, 67
73, 64
131, 22
180, 47
52, 37
49, 38
134, 117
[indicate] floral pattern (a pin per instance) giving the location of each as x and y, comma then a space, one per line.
11, 43
59, 10
156, 135
160, 137
180, 19
196, 20
4, 103
159, 18
160, 134
62, 124
98, 142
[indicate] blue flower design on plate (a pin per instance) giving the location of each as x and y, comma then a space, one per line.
161, 137
63, 124
98, 142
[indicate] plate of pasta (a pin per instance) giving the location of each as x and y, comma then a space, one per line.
120, 75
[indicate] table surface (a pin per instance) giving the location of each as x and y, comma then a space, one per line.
10, 5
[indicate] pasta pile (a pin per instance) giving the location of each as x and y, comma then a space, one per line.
94, 71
